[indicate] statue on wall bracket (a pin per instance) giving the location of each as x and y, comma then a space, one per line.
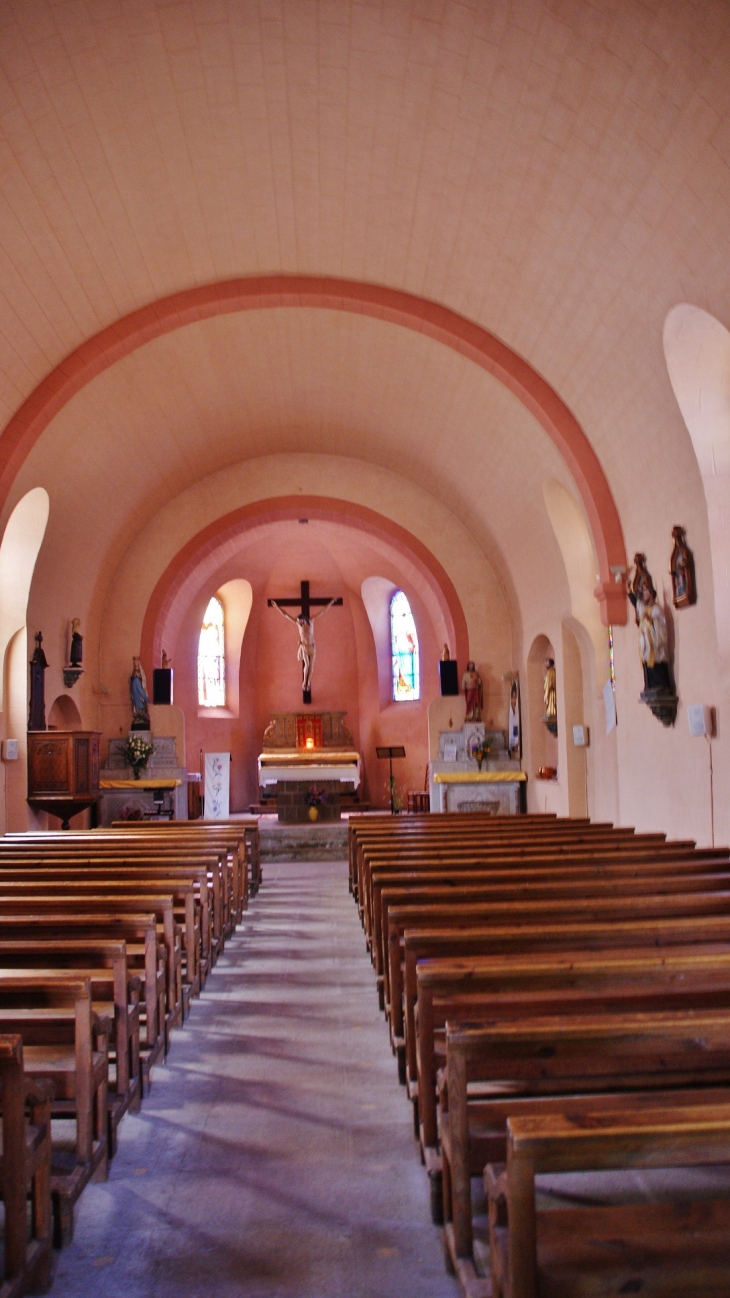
658, 692
139, 697
682, 570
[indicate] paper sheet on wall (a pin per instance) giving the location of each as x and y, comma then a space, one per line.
609, 703
217, 785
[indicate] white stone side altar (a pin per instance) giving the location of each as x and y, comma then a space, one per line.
456, 782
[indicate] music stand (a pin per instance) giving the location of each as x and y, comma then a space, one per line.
390, 753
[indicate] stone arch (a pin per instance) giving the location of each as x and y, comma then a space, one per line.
405, 309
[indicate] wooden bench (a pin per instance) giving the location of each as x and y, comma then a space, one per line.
115, 992
566, 1055
50, 898
146, 956
25, 1172
395, 901
65, 1041
516, 927
650, 1248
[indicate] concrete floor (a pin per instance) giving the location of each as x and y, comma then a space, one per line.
274, 1157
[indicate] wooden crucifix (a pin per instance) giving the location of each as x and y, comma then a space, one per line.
304, 622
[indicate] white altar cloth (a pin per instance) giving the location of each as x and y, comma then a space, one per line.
344, 768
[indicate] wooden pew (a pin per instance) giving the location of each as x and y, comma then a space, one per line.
188, 886
515, 857
65, 1041
567, 1055
146, 955
441, 894
115, 992
502, 926
94, 898
679, 1248
206, 873
25, 1172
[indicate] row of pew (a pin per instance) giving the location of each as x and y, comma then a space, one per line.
106, 939
556, 993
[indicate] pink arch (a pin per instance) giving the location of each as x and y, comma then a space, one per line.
212, 541
268, 291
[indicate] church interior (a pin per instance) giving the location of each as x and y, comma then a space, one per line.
410, 320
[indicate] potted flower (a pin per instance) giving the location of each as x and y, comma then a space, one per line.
480, 750
137, 752
315, 798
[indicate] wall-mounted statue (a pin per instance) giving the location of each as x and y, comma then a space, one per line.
76, 652
550, 697
471, 683
658, 692
37, 708
682, 570
139, 697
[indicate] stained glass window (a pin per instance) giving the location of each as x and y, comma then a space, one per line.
404, 650
212, 658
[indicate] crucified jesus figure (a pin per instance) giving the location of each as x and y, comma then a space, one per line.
307, 648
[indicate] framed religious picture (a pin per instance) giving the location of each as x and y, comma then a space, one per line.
682, 570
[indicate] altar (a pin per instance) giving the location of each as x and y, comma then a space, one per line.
309, 759
459, 782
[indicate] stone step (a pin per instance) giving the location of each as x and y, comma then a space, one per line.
325, 842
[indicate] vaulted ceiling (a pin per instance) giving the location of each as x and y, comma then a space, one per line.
556, 171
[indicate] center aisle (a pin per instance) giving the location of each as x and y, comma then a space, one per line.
274, 1157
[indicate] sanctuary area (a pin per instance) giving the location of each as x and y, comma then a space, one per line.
365, 634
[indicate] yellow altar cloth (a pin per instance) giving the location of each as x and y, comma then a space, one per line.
139, 784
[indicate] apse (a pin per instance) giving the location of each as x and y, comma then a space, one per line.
352, 669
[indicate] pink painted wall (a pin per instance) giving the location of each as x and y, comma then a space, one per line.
335, 560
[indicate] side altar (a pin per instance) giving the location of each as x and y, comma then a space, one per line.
458, 781
310, 759
160, 792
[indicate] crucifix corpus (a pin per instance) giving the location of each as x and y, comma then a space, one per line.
304, 622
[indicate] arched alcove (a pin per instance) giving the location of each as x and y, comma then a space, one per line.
572, 714
543, 745
697, 352
64, 714
19, 549
576, 547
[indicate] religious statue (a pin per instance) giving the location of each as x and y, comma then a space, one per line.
76, 652
166, 662
37, 709
550, 697
658, 690
471, 683
682, 569
307, 649
513, 724
139, 697
445, 655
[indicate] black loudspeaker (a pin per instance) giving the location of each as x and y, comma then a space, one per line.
449, 676
162, 685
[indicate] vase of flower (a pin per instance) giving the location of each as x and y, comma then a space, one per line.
137, 752
315, 798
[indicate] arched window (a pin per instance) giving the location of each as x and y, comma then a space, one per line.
212, 657
404, 650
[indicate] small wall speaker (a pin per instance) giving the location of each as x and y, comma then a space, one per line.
699, 717
10, 750
580, 736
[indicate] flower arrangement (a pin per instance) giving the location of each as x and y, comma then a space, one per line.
480, 750
315, 797
138, 751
